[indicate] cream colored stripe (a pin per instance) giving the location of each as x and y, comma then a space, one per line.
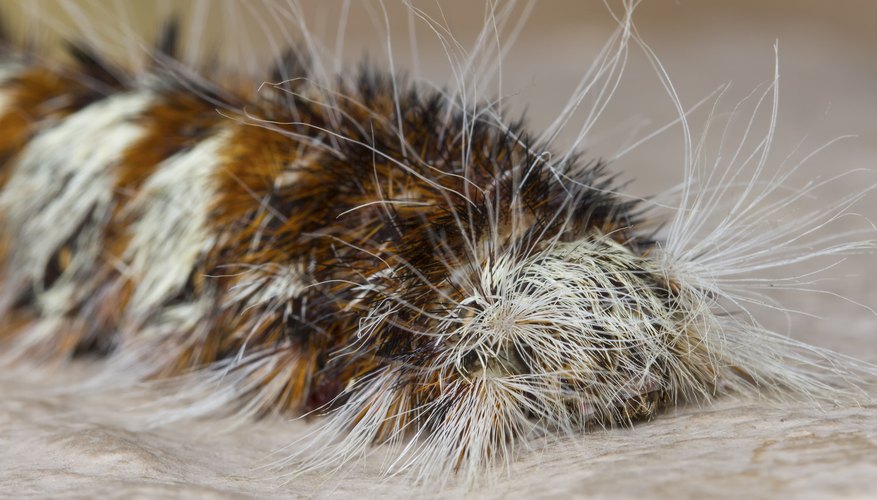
171, 230
62, 185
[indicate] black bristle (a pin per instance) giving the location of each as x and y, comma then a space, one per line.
167, 43
95, 67
4, 33
292, 64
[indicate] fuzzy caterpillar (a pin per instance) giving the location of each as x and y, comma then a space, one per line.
401, 259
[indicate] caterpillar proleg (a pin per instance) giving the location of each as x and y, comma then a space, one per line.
406, 265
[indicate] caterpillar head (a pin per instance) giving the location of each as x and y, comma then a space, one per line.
573, 332
589, 331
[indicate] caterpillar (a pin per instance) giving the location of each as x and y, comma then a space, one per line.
405, 264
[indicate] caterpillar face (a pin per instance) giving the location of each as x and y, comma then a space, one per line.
576, 334
591, 329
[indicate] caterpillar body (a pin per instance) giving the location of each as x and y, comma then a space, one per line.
403, 261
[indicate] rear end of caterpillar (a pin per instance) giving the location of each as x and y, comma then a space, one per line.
405, 261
